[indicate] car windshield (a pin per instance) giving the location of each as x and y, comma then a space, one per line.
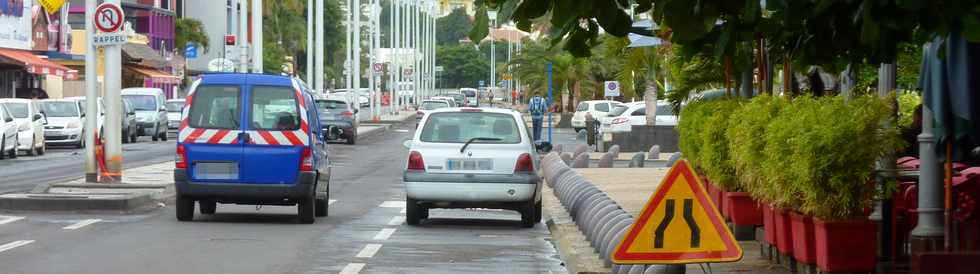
665, 110
60, 109
469, 93
331, 105
457, 97
618, 110
142, 102
18, 110
430, 105
459, 127
174, 106
582, 106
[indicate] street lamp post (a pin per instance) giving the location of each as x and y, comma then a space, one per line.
318, 49
493, 54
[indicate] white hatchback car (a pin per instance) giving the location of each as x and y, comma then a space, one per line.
8, 134
598, 109
30, 124
473, 158
624, 117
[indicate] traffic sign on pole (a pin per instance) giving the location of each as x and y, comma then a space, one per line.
190, 51
108, 20
678, 225
612, 88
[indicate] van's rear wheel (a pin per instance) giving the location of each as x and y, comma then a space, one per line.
306, 210
323, 205
185, 208
208, 207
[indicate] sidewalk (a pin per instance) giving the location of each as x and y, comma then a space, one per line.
630, 188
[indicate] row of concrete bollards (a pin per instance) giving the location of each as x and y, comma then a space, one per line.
597, 215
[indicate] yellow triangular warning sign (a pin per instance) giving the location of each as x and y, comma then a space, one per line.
679, 224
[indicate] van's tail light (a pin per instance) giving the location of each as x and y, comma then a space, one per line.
524, 163
181, 158
620, 120
307, 163
347, 114
415, 161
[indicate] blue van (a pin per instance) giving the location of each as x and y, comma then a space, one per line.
251, 139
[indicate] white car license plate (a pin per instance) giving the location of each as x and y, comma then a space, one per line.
216, 171
469, 164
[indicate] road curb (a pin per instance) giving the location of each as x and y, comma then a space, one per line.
76, 202
373, 132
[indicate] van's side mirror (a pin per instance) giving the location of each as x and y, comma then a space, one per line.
8, 119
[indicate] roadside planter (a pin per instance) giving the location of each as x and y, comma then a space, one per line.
769, 224
742, 209
845, 246
784, 234
804, 248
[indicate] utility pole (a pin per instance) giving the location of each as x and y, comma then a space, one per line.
376, 98
348, 62
371, 57
113, 109
242, 34
91, 94
356, 15
396, 57
493, 52
257, 37
434, 44
318, 49
416, 32
392, 54
309, 44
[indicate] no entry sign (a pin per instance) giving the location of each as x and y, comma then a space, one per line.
108, 17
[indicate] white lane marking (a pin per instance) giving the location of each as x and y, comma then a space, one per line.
402, 212
401, 130
368, 251
393, 204
352, 268
384, 234
9, 219
14, 244
330, 202
82, 223
397, 220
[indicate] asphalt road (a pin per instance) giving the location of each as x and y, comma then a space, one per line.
365, 233
67, 163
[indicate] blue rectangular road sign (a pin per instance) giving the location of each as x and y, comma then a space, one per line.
190, 51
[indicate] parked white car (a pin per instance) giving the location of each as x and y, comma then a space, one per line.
174, 110
30, 124
82, 104
430, 105
624, 117
472, 97
598, 109
473, 158
151, 111
66, 122
452, 102
8, 134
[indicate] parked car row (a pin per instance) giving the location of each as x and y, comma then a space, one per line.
30, 126
616, 117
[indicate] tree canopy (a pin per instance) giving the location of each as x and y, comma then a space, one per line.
453, 27
464, 65
189, 30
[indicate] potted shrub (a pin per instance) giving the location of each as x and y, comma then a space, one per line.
691, 127
821, 153
714, 152
749, 122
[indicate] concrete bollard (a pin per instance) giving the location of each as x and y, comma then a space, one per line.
610, 240
567, 158
606, 228
579, 149
673, 159
616, 238
606, 161
654, 152
591, 221
581, 161
576, 200
638, 160
614, 149
595, 224
581, 203
617, 268
665, 269
637, 269
584, 215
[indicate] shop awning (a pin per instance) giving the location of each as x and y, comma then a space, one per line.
157, 76
36, 65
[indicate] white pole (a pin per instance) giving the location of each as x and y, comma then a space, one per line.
396, 56
403, 49
318, 49
434, 45
416, 32
392, 54
347, 51
91, 95
309, 44
257, 37
371, 59
376, 98
242, 35
356, 15
113, 109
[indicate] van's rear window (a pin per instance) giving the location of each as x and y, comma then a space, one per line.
274, 108
215, 107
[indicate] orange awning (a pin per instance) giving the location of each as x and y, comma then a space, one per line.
37, 65
156, 75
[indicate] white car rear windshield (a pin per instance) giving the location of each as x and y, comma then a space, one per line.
618, 111
460, 127
430, 105
582, 107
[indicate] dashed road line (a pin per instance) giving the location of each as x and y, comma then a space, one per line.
403, 211
397, 220
14, 244
352, 268
384, 234
393, 204
330, 202
9, 219
81, 224
368, 251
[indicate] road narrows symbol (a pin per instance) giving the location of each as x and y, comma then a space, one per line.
693, 225
658, 235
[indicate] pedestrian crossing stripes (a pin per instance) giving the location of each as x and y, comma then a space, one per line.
15, 244
9, 219
81, 224
352, 268
368, 251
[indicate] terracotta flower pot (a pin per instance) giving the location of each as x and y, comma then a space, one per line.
715, 194
742, 209
784, 240
769, 223
845, 246
803, 238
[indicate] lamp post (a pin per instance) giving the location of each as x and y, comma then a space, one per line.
492, 13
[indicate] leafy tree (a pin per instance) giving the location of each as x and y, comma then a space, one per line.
284, 32
453, 27
463, 65
190, 30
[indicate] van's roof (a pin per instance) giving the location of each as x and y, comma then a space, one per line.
176, 100
246, 78
15, 100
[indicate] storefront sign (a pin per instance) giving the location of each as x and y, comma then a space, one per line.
15, 24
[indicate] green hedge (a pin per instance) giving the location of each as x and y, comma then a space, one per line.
814, 155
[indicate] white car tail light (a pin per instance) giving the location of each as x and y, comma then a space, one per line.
415, 161
524, 163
